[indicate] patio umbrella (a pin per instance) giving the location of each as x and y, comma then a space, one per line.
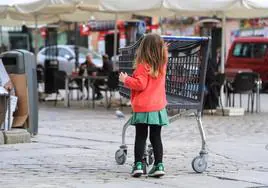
34, 12
230, 8
19, 12
30, 10
220, 8
68, 10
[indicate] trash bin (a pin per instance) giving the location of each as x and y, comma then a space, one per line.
21, 66
51, 66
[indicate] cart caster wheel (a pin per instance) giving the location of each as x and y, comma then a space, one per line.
199, 164
120, 156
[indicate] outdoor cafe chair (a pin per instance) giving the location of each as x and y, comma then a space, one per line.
110, 86
59, 83
243, 83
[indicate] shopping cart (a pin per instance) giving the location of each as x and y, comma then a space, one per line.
185, 87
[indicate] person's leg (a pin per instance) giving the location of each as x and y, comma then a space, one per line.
156, 141
79, 83
97, 89
140, 140
87, 88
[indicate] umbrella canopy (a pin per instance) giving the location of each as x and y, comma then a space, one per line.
18, 12
228, 8
28, 12
47, 11
45, 6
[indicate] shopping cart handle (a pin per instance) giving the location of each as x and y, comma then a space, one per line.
184, 38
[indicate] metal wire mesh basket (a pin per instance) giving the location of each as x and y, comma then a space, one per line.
186, 70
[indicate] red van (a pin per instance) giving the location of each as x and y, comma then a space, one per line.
249, 54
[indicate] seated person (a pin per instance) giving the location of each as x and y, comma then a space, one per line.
210, 99
107, 66
88, 68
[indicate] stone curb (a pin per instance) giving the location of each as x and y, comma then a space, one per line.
16, 136
2, 139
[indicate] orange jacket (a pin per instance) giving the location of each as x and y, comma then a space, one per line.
147, 93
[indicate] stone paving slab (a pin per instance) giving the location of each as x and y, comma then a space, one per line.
75, 148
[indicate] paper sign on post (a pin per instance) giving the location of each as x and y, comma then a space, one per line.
4, 78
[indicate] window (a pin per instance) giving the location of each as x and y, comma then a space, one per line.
250, 50
242, 50
64, 53
50, 52
259, 50
95, 55
237, 50
83, 52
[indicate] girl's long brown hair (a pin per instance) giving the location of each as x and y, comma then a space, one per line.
152, 51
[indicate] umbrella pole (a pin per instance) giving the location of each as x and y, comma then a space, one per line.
1, 35
161, 26
115, 41
76, 50
223, 37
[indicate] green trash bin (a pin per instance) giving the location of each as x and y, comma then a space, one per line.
24, 62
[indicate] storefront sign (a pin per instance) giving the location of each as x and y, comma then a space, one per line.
254, 23
84, 30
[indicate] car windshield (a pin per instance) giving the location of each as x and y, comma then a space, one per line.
83, 53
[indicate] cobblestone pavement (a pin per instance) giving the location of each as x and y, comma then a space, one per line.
75, 148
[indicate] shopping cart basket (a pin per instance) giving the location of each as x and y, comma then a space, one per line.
185, 87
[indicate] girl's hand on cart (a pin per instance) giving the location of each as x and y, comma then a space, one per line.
166, 44
123, 76
166, 51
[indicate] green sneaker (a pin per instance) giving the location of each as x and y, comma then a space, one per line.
157, 171
137, 169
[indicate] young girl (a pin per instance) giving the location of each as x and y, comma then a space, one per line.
148, 100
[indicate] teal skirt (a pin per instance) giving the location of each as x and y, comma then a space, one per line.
151, 118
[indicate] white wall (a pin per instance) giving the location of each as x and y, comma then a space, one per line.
231, 25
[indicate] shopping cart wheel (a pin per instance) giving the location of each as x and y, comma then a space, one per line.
121, 156
199, 164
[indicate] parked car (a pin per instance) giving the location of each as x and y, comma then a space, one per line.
66, 57
249, 54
